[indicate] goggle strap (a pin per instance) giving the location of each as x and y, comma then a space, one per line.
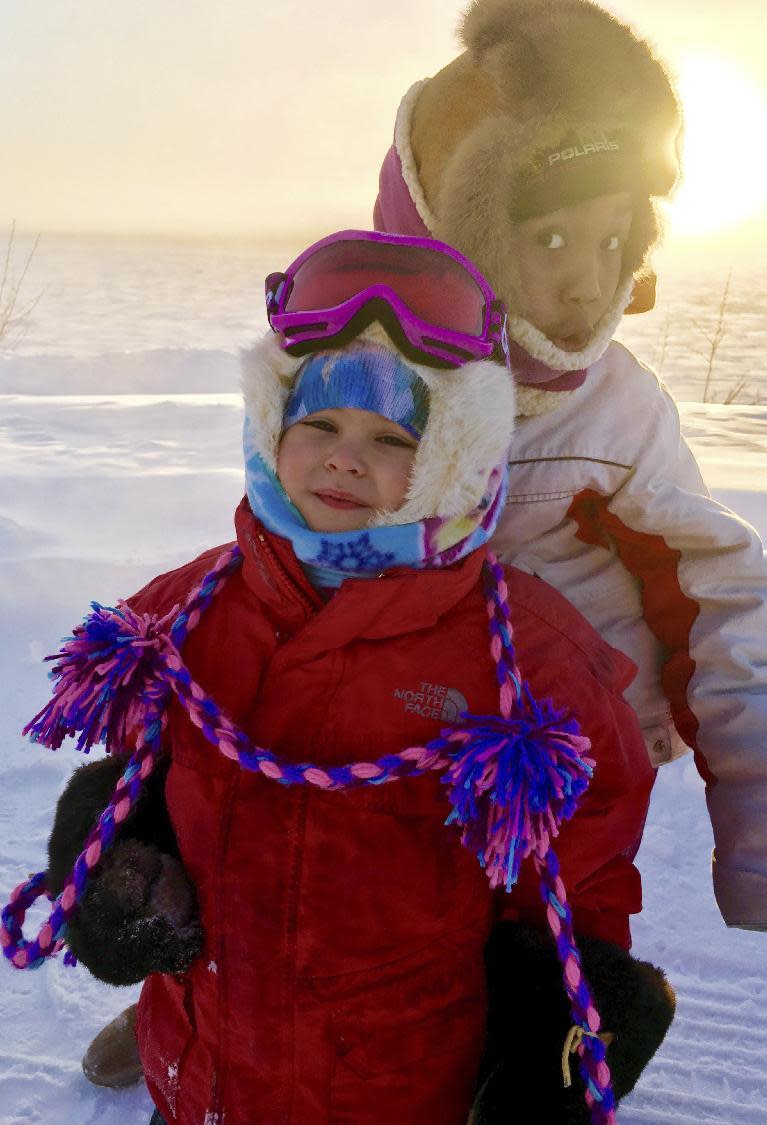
273, 288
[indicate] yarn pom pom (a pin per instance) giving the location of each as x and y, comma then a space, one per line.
104, 675
513, 781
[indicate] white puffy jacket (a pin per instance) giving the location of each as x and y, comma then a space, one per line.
607, 503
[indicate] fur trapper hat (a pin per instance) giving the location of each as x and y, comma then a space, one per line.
549, 104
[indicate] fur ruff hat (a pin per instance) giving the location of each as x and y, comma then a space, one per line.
467, 434
540, 89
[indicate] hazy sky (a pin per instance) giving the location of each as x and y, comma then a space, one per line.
231, 117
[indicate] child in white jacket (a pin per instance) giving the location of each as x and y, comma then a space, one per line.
540, 153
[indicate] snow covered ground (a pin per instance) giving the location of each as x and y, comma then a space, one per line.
99, 492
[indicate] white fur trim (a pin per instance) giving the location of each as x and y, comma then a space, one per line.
471, 419
405, 153
540, 347
532, 401
267, 376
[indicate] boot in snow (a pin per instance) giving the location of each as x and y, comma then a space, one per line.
112, 1058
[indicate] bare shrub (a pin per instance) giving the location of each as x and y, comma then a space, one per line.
15, 312
714, 341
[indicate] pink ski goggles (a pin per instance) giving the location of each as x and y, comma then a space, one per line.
435, 303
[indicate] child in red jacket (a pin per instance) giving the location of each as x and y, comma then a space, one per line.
310, 931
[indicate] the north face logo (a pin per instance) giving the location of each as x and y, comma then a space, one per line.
433, 701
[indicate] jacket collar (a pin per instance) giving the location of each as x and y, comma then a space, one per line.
401, 601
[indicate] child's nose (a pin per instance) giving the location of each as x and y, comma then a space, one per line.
345, 457
583, 283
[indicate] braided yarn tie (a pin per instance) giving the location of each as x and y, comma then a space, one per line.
511, 778
109, 683
591, 1049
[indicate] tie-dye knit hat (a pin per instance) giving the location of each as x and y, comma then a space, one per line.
365, 376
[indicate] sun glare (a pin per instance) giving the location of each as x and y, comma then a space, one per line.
724, 162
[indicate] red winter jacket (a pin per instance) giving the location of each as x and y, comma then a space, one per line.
342, 979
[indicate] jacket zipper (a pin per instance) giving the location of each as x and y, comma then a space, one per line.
218, 1077
292, 588
291, 942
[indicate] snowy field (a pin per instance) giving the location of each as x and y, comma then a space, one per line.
98, 493
111, 311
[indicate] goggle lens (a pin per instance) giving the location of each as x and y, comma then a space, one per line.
434, 286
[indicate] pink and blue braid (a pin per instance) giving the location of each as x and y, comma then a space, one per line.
592, 1050
511, 777
593, 1065
149, 738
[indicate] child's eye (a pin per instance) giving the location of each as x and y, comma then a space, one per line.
320, 424
397, 441
612, 242
551, 240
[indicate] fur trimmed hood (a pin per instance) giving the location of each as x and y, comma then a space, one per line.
467, 435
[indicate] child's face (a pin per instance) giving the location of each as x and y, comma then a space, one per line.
341, 466
565, 267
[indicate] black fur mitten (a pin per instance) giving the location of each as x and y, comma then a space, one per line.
138, 916
138, 913
529, 1017
87, 794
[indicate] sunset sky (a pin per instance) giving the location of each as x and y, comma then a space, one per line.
237, 117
